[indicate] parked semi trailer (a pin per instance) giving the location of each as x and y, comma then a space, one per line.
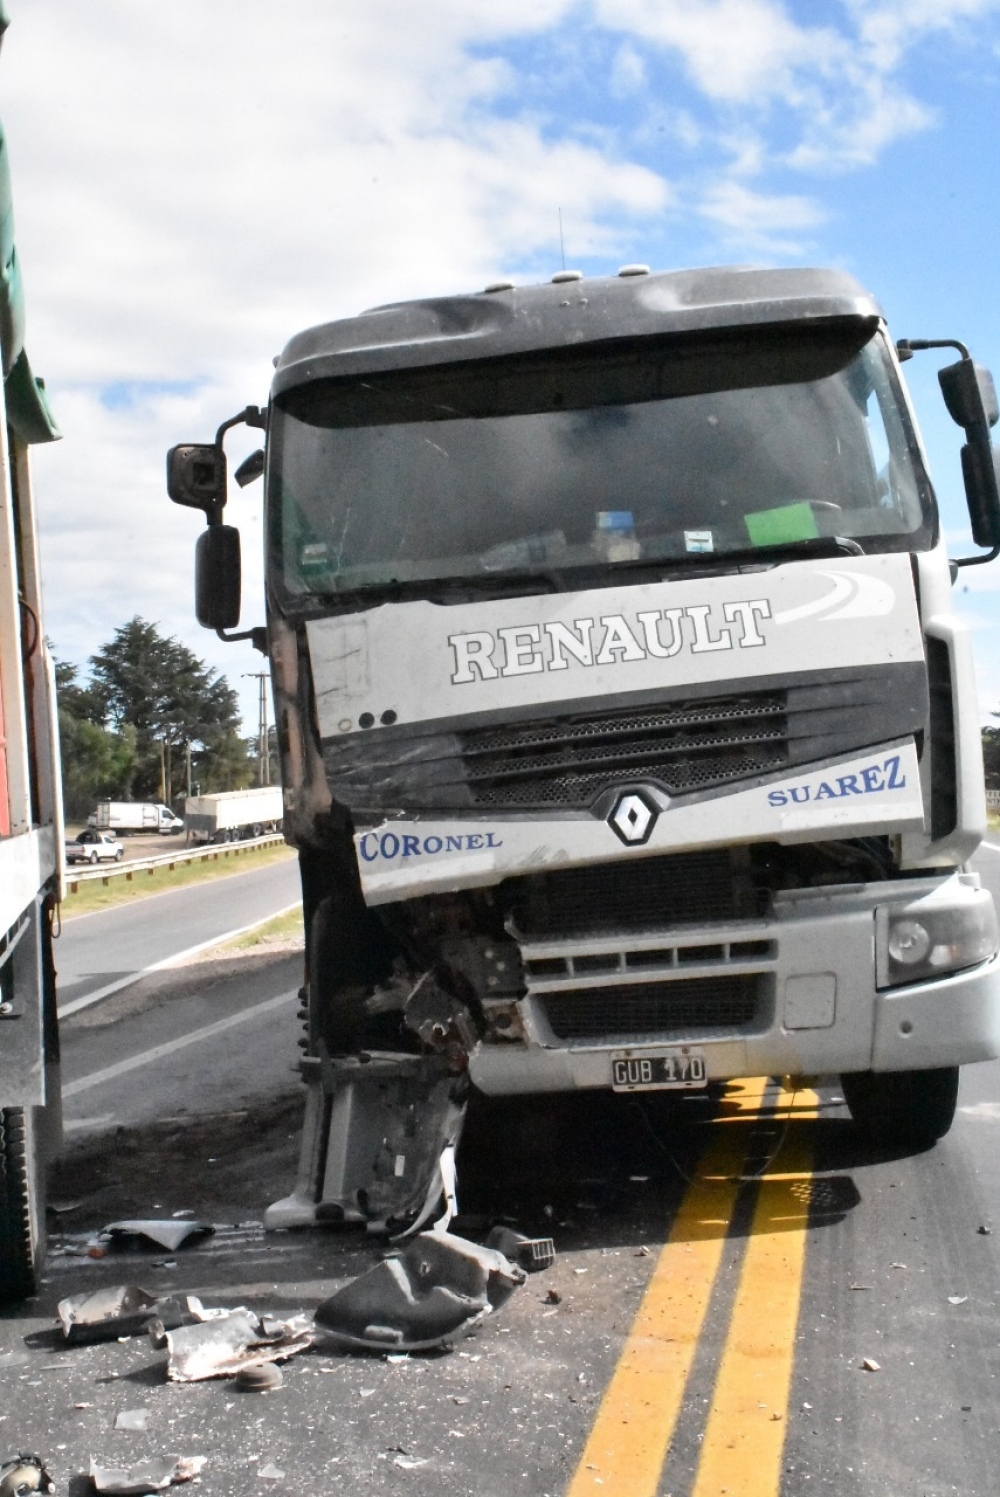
31, 825
233, 815
628, 734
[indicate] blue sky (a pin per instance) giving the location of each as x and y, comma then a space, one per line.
194, 183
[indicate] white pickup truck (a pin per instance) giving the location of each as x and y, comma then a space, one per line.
91, 846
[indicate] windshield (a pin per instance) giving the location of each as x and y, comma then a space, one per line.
669, 451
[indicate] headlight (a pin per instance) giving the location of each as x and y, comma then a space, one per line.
923, 941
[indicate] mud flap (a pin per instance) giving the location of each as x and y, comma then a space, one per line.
376, 1128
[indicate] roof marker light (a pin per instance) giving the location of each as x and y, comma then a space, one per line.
634, 270
566, 275
499, 286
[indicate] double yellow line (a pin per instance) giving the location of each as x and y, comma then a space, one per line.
744, 1434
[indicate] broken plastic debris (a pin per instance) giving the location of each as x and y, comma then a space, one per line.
24, 1473
146, 1476
221, 1346
436, 1290
870, 1365
167, 1234
134, 1419
984, 1230
271, 1473
957, 1299
531, 1253
123, 1310
408, 1462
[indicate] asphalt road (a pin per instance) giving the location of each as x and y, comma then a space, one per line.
746, 1300
106, 950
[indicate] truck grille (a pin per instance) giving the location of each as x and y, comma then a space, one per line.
647, 894
568, 761
684, 743
653, 1010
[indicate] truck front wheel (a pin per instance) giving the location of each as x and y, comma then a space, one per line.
348, 956
22, 1205
909, 1109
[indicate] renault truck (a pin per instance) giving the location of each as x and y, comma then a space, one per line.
628, 734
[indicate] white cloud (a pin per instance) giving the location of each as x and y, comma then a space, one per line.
733, 49
837, 83
765, 221
196, 182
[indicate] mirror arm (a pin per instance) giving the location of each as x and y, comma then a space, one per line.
975, 561
257, 637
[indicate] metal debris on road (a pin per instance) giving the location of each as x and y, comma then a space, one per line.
259, 1377
124, 1310
22, 1474
236, 1338
438, 1289
533, 1254
146, 1476
169, 1234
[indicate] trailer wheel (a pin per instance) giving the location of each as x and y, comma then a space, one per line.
909, 1109
22, 1205
256, 830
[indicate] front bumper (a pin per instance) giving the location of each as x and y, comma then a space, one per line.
818, 1010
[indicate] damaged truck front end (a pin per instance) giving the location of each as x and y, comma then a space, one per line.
628, 736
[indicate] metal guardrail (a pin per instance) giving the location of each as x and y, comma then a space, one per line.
993, 799
204, 852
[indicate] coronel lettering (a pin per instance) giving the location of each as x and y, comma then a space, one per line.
388, 847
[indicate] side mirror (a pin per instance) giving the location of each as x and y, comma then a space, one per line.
971, 398
250, 468
969, 393
196, 476
217, 577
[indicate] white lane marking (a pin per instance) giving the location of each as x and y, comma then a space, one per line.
989, 846
177, 960
76, 1125
170, 1047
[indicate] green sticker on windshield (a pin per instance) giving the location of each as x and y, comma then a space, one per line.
776, 527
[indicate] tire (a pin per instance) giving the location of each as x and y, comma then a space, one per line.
910, 1109
22, 1205
347, 957
119, 854
92, 860
256, 830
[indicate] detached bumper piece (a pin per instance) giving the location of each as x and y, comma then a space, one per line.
375, 1130
438, 1289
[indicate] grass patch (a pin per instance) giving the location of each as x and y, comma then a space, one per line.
220, 862
283, 928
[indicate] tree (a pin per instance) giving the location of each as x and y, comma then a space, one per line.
152, 694
95, 762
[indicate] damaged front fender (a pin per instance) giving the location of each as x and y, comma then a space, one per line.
375, 1130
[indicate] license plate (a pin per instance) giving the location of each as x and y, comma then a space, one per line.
678, 1069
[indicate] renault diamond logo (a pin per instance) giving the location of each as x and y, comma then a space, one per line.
633, 818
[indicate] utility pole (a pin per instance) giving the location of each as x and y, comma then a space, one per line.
263, 754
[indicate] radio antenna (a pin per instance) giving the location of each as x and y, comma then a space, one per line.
562, 242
